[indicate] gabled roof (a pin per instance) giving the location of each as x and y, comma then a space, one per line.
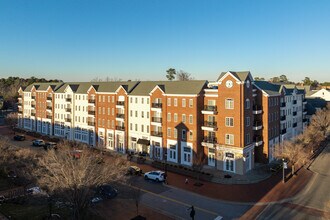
191, 87
113, 86
242, 75
42, 86
268, 88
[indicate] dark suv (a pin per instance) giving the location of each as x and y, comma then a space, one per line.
106, 191
19, 137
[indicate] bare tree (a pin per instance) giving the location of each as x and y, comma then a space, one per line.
198, 164
294, 152
73, 174
11, 119
183, 76
321, 121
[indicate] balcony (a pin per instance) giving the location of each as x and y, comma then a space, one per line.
209, 141
156, 119
49, 107
209, 126
120, 128
91, 112
304, 120
210, 110
20, 112
157, 133
49, 116
33, 97
20, 96
257, 125
294, 125
283, 105
257, 109
91, 101
258, 140
294, 113
156, 105
120, 104
33, 106
19, 104
68, 99
91, 123
33, 114
283, 118
294, 102
120, 117
305, 111
68, 109
49, 98
68, 119
304, 101
283, 131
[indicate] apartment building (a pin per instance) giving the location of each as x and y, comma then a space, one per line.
234, 121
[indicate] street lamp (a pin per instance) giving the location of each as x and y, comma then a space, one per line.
285, 166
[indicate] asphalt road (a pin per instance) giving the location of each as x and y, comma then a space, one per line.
313, 202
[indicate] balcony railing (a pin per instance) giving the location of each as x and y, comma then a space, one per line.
91, 112
68, 109
257, 138
305, 109
283, 131
294, 125
68, 99
119, 115
156, 119
210, 140
305, 120
294, 102
294, 113
33, 105
257, 125
256, 107
212, 108
49, 116
20, 96
91, 101
20, 111
283, 118
49, 107
156, 105
49, 98
283, 104
212, 124
33, 97
91, 123
120, 103
19, 104
120, 128
157, 133
33, 114
68, 119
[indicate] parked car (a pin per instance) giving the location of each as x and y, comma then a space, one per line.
106, 192
96, 199
158, 176
50, 145
34, 190
38, 142
134, 170
19, 137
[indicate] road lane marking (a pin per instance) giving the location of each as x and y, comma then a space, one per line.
175, 201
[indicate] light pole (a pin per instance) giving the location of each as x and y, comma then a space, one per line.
283, 170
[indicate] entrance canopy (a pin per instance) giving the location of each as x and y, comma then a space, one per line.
143, 141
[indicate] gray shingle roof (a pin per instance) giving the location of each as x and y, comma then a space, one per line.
43, 86
242, 75
269, 88
191, 87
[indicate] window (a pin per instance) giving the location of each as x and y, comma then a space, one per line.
175, 102
229, 104
131, 126
229, 139
135, 127
229, 122
183, 102
190, 119
108, 110
247, 121
247, 103
142, 128
175, 117
136, 113
175, 133
147, 114
191, 135
168, 132
168, 101
142, 100
147, 100
183, 118
103, 98
191, 102
247, 138
184, 134
168, 116
131, 113
113, 99
142, 114
147, 128
100, 110
103, 109
136, 100
113, 111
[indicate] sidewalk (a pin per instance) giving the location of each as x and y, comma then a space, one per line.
264, 191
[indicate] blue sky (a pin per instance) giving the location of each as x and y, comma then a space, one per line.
80, 40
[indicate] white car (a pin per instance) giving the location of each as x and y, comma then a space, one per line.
158, 176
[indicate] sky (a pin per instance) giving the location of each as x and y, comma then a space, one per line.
140, 39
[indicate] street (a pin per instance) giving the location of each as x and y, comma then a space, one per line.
313, 202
